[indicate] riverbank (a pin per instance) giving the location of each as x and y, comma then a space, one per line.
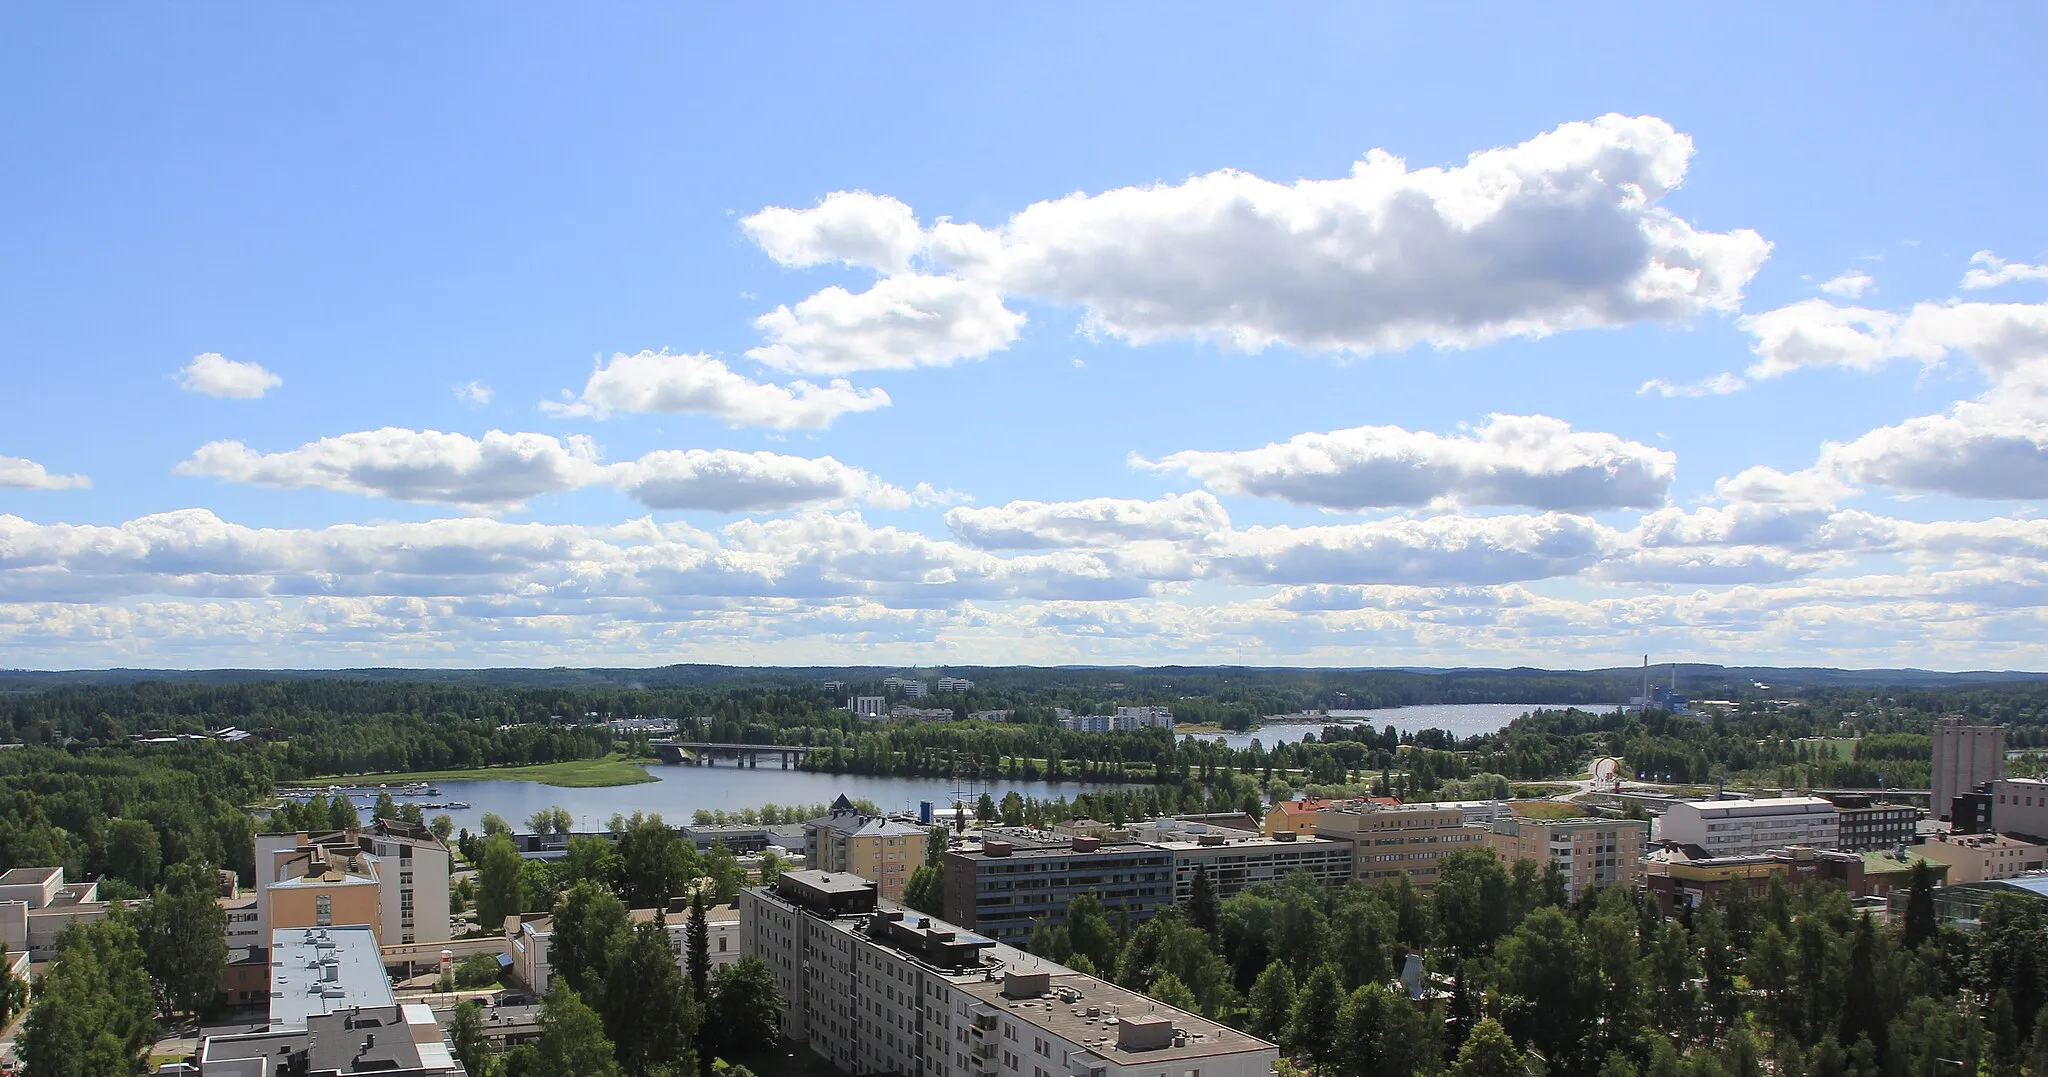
612, 770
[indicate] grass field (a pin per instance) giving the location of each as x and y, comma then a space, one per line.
575, 774
1547, 809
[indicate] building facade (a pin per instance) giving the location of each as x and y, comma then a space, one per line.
1406, 839
870, 846
1980, 858
1589, 853
1965, 756
877, 989
319, 879
1016, 878
1737, 827
1868, 826
2020, 806
532, 941
1235, 861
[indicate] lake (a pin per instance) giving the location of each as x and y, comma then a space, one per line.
1461, 719
682, 790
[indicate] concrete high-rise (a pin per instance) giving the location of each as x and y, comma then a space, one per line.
1965, 756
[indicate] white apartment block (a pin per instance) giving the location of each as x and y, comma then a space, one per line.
869, 707
913, 689
1144, 717
2020, 806
954, 685
531, 942
1741, 827
875, 988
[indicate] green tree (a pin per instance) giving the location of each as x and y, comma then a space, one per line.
572, 1039
134, 854
590, 929
745, 1007
1203, 909
1316, 1009
342, 813
385, 808
1169, 990
443, 827
1472, 902
13, 990
654, 865
1546, 968
926, 890
468, 1041
497, 882
551, 820
728, 875
477, 970
1089, 931
1272, 1002
1488, 1052
1380, 1031
493, 823
95, 1012
697, 943
183, 933
1717, 962
1920, 920
649, 1011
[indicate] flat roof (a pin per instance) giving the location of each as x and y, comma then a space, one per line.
1760, 806
829, 882
316, 971
1071, 1021
1261, 841
28, 876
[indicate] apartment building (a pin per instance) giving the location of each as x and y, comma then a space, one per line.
321, 880
954, 685
2020, 806
909, 688
1679, 881
1404, 839
1298, 816
1589, 853
1979, 858
875, 988
870, 846
1965, 756
531, 943
36, 905
1017, 877
1737, 827
1865, 825
1236, 860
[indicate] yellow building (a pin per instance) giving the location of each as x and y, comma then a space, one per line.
331, 897
869, 846
1388, 842
1588, 852
1978, 858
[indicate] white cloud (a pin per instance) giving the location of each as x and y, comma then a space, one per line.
1769, 486
1998, 336
17, 473
724, 480
499, 471
658, 382
1527, 460
852, 227
1988, 270
1849, 284
1718, 385
474, 393
1100, 521
1433, 552
1562, 231
1983, 448
502, 471
216, 375
899, 323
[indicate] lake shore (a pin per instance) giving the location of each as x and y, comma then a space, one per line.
612, 770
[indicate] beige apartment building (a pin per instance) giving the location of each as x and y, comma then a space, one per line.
1980, 858
1590, 853
870, 846
1407, 839
318, 880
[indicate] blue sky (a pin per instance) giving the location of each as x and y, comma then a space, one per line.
1104, 355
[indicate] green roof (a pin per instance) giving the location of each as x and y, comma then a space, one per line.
1877, 863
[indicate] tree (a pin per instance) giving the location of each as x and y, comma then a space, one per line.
1203, 911
653, 865
1272, 1002
985, 810
551, 820
772, 867
342, 814
442, 826
1089, 931
95, 1013
572, 1040
728, 875
1381, 1031
935, 845
477, 970
745, 1007
698, 947
493, 823
1920, 920
1316, 1009
134, 854
1169, 990
590, 929
926, 890
13, 991
1488, 1052
1472, 902
183, 933
1546, 967
497, 882
649, 1010
467, 1040
385, 808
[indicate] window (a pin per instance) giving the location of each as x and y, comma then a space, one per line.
323, 910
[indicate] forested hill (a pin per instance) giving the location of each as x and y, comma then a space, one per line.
1363, 687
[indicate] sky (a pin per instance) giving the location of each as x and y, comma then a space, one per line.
1343, 336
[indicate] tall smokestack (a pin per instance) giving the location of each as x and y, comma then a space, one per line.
1646, 682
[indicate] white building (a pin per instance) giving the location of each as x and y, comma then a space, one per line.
954, 685
877, 989
1144, 717
532, 965
2020, 806
869, 707
913, 689
1741, 827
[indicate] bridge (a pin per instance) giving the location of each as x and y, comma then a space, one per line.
707, 752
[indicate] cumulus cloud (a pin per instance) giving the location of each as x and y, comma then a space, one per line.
1099, 521
1717, 385
1994, 447
1816, 333
899, 323
501, 471
216, 375
1849, 284
1988, 270
658, 382
1522, 460
17, 473
851, 227
1434, 552
1563, 231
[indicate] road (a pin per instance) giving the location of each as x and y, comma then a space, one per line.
1601, 773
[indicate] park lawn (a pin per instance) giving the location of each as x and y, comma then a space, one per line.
614, 769
1548, 809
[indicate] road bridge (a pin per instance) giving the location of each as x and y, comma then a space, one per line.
708, 752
